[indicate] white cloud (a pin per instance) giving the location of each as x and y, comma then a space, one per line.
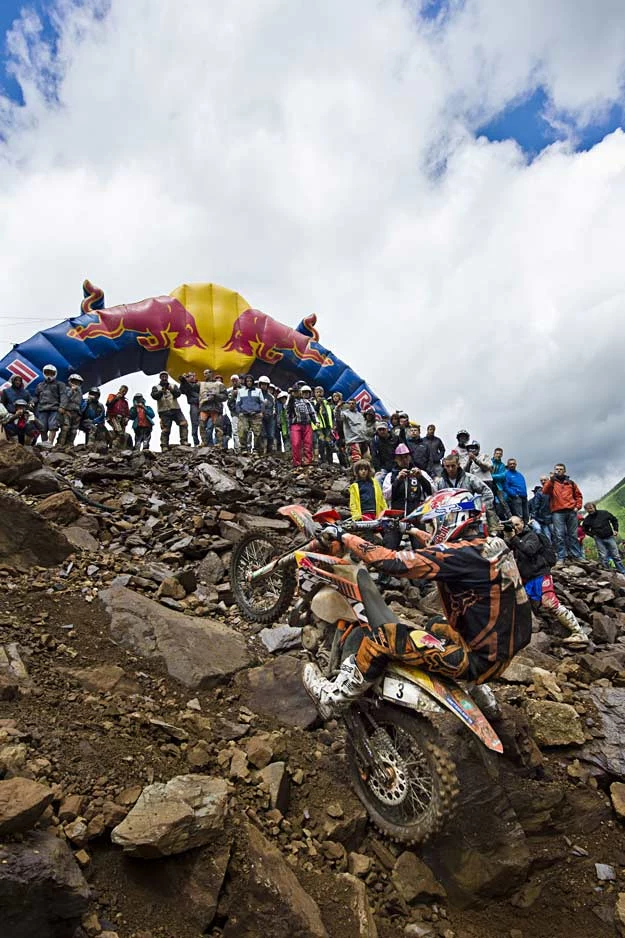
286, 150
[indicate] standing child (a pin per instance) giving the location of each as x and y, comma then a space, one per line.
366, 500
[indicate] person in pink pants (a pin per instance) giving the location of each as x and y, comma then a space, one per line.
301, 414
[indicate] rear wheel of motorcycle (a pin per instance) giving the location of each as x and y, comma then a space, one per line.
270, 597
421, 784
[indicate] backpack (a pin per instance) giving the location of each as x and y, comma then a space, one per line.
549, 555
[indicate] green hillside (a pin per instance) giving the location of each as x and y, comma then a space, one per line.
614, 501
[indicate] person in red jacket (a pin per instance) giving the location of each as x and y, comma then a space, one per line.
565, 500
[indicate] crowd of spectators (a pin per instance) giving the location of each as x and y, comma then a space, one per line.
393, 465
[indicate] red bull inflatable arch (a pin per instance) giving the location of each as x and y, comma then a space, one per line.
196, 326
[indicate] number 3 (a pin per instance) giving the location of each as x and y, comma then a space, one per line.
400, 691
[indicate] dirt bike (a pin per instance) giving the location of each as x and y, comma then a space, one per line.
396, 755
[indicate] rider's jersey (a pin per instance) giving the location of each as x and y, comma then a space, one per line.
479, 584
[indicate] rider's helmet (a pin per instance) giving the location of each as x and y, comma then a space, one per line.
402, 450
264, 380
473, 445
76, 379
94, 392
451, 512
21, 402
463, 433
49, 370
138, 397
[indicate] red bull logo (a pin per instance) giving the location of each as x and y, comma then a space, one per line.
255, 333
160, 322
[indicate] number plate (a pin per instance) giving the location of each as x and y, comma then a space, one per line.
407, 694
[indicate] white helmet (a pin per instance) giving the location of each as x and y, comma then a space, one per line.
51, 368
264, 380
76, 377
306, 387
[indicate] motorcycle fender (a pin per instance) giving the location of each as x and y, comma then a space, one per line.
330, 606
409, 686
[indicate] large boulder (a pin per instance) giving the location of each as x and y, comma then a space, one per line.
17, 461
554, 724
42, 891
40, 482
275, 689
61, 507
606, 752
27, 539
266, 897
198, 652
185, 812
22, 802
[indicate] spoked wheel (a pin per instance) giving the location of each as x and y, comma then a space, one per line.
268, 598
415, 785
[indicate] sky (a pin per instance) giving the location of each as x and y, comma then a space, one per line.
442, 183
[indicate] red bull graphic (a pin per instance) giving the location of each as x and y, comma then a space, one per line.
256, 333
160, 323
195, 326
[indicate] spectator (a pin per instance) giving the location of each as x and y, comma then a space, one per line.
301, 414
371, 420
14, 392
142, 416
47, 400
20, 425
383, 450
565, 500
437, 450
190, 387
226, 426
581, 534
404, 489
212, 396
454, 477
231, 403
394, 426
322, 429
480, 465
462, 438
166, 396
92, 419
250, 406
535, 569
355, 431
515, 489
366, 500
70, 410
282, 422
339, 436
540, 513
118, 414
268, 433
419, 450
602, 526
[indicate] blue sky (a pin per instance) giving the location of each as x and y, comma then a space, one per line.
528, 121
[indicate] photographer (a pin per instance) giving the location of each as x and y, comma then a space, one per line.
404, 488
21, 426
534, 562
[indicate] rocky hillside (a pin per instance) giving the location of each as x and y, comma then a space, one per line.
162, 774
614, 501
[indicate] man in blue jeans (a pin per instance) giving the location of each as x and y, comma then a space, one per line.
565, 500
515, 489
602, 526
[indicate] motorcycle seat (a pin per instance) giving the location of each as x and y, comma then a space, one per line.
378, 613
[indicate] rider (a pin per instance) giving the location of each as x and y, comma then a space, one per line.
488, 615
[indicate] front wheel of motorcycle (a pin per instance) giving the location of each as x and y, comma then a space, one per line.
414, 788
266, 600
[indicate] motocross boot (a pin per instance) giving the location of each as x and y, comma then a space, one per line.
184, 434
485, 699
577, 637
331, 697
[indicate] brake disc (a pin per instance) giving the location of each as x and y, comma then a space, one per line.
389, 780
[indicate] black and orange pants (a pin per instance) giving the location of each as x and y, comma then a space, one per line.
373, 649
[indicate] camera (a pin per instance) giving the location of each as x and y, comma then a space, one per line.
507, 526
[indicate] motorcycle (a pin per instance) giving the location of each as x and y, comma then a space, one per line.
395, 752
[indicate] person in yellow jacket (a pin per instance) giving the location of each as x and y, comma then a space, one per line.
366, 500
